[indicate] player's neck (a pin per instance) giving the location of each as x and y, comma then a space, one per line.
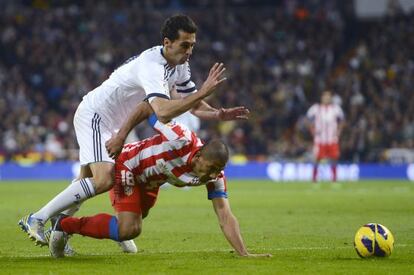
164, 54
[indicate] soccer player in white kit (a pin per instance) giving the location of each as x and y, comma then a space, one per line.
161, 76
326, 123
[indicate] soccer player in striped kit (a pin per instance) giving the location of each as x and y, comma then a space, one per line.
177, 156
160, 75
326, 123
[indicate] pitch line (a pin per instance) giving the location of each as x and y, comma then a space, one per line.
146, 252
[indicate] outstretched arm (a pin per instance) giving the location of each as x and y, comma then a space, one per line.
166, 109
230, 227
206, 112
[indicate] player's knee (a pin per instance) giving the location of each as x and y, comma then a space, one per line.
145, 213
103, 175
129, 232
103, 182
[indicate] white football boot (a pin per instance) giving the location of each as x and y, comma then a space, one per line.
128, 246
34, 228
58, 239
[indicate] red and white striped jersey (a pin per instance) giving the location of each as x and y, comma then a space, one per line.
166, 157
325, 119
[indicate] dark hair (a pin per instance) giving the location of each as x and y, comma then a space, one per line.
215, 151
175, 23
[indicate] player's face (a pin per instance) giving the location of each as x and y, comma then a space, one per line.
180, 50
206, 170
326, 98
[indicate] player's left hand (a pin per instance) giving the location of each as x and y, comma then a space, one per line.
235, 113
114, 146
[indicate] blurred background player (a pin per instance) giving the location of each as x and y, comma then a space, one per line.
109, 112
176, 155
326, 121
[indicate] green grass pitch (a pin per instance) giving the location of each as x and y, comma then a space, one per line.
308, 228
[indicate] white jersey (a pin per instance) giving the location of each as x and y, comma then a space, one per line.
188, 119
325, 119
144, 76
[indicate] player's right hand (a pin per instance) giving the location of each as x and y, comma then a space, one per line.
114, 146
215, 77
266, 255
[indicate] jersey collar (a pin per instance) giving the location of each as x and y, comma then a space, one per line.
163, 57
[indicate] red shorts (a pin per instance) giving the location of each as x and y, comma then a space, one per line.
128, 196
326, 151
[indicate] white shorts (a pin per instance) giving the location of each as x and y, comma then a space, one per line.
91, 133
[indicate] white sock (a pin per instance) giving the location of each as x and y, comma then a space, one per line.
77, 192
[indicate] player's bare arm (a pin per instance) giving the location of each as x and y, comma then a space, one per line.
206, 112
311, 126
168, 109
341, 126
114, 145
230, 227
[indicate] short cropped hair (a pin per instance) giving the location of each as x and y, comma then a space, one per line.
215, 151
176, 23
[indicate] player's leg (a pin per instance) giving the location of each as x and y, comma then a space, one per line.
333, 170
129, 225
126, 199
71, 197
85, 172
123, 226
126, 225
91, 135
79, 190
317, 159
334, 156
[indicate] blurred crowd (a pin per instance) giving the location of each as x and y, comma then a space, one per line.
376, 84
279, 55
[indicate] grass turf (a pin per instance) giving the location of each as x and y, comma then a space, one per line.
308, 228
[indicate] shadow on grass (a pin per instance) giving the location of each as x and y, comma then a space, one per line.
390, 260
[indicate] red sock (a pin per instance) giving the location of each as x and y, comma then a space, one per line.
333, 172
97, 227
315, 173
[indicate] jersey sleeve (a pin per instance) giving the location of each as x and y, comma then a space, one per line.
218, 188
153, 80
339, 113
184, 85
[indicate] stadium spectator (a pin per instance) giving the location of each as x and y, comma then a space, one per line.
51, 55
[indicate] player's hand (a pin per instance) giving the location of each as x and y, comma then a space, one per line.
215, 77
266, 255
236, 113
312, 131
114, 146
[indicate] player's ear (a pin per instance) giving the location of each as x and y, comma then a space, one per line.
197, 155
167, 42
